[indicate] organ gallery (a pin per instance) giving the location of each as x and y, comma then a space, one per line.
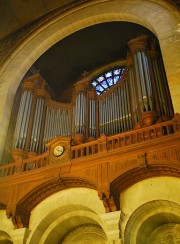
89, 122
126, 98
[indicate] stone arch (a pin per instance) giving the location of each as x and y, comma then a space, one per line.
88, 234
90, 13
67, 223
148, 217
30, 201
71, 208
136, 175
5, 238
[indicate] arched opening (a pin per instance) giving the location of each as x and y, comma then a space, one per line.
153, 221
147, 85
73, 211
5, 238
60, 30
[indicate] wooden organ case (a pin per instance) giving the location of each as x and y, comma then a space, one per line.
140, 98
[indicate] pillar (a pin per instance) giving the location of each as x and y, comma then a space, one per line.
112, 231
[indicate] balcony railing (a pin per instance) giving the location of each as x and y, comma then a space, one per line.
97, 147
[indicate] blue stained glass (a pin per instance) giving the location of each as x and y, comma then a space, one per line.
116, 78
94, 83
99, 88
110, 81
117, 72
101, 78
108, 74
104, 84
106, 80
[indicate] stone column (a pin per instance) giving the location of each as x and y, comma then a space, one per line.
19, 235
111, 221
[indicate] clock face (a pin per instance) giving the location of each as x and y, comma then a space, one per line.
58, 151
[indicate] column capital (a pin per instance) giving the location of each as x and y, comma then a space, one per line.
19, 235
92, 95
138, 43
81, 86
111, 221
129, 59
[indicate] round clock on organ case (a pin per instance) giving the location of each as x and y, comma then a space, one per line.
58, 151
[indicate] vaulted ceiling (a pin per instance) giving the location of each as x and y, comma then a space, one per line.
82, 51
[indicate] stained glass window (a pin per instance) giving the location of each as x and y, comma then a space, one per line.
108, 79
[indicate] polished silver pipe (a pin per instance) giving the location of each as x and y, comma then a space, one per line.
45, 128
133, 100
100, 117
19, 119
94, 118
114, 112
128, 105
77, 115
37, 128
139, 87
53, 123
26, 117
34, 125
65, 120
84, 114
106, 116
123, 102
50, 125
147, 79
90, 115
110, 115
120, 109
40, 123
58, 121
159, 87
81, 113
69, 122
142, 80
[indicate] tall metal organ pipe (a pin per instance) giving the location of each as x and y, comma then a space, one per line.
161, 83
23, 115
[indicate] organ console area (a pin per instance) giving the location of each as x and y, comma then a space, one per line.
138, 99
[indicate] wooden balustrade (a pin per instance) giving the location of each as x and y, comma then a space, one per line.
25, 165
102, 145
89, 148
144, 134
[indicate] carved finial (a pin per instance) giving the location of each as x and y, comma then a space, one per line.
84, 74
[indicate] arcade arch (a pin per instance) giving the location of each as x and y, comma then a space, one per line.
13, 70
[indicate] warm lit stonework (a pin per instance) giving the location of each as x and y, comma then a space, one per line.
96, 160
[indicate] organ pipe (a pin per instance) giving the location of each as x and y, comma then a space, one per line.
140, 98
161, 86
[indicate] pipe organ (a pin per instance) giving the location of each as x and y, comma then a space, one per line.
139, 98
